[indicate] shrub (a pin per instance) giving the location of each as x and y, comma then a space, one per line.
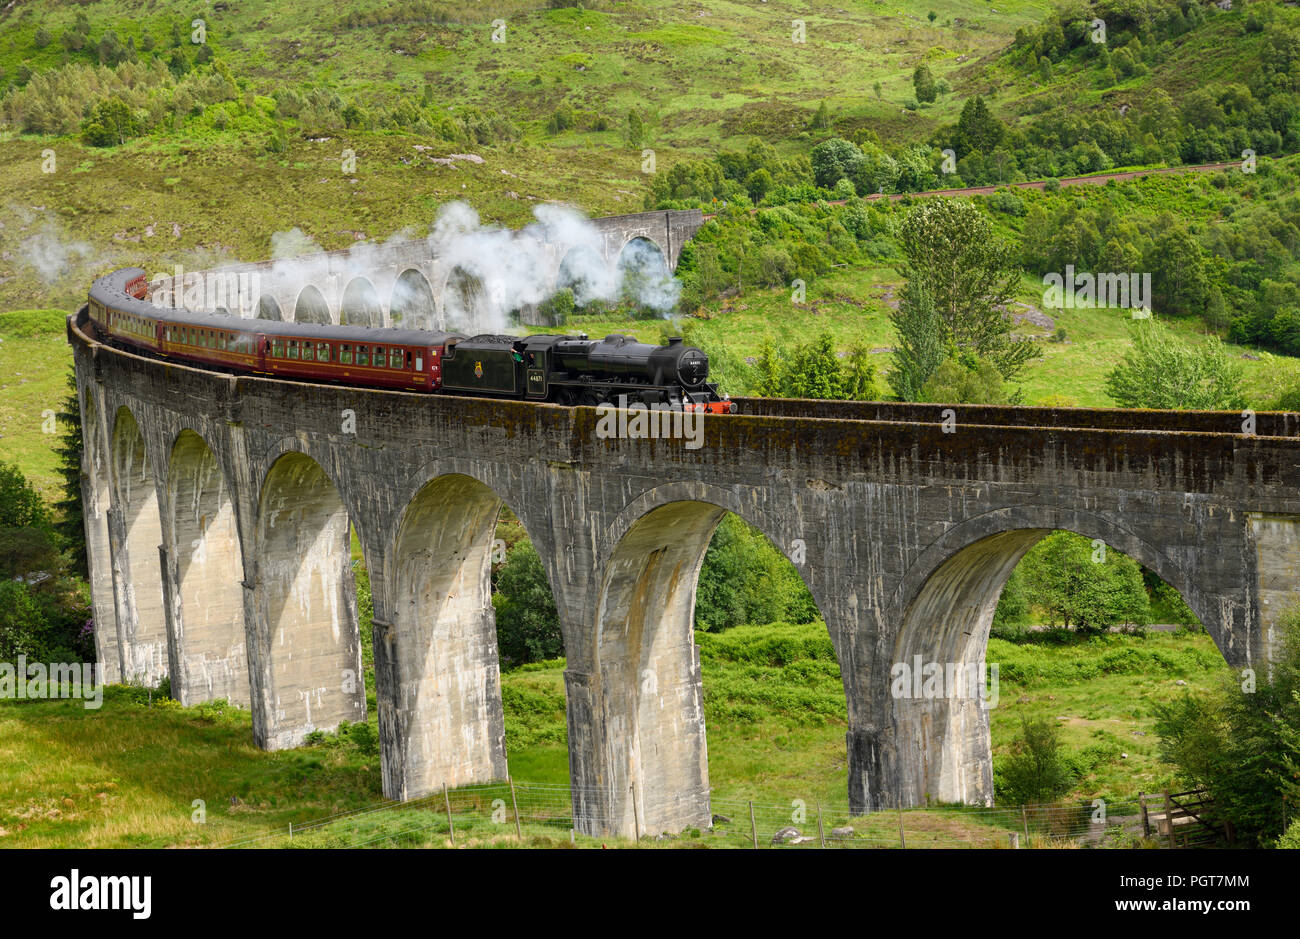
528, 625
1036, 771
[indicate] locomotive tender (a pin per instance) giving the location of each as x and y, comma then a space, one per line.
571, 370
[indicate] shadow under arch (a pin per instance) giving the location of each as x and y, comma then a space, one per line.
208, 599
361, 305
310, 307
307, 633
142, 622
941, 746
449, 724
465, 301
268, 309
585, 272
411, 305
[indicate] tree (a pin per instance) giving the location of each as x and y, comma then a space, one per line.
813, 370
923, 82
109, 124
970, 276
958, 380
833, 160
919, 348
528, 626
1178, 279
1162, 371
1035, 772
822, 119
1082, 584
20, 504
745, 580
70, 526
977, 128
1244, 745
111, 50
635, 129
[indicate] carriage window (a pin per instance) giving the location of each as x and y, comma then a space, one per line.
363, 355
345, 354
277, 349
395, 358
419, 363
293, 348
322, 352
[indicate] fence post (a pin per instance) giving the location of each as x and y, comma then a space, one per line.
1024, 821
636, 814
291, 831
1146, 821
515, 802
1169, 819
1013, 838
821, 832
902, 838
753, 827
446, 799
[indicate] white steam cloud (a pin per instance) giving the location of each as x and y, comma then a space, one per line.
52, 254
493, 272
502, 270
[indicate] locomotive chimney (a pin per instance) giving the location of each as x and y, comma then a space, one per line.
674, 340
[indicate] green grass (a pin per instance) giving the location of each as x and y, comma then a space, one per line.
34, 359
128, 774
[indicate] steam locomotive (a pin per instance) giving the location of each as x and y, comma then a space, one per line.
571, 370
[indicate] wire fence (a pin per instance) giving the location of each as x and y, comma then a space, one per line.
511, 813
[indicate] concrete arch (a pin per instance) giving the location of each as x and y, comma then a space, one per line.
268, 309
310, 307
449, 721
307, 619
941, 743
361, 306
647, 665
411, 305
634, 245
464, 300
137, 565
586, 273
644, 274
208, 596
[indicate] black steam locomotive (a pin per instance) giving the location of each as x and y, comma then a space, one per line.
576, 370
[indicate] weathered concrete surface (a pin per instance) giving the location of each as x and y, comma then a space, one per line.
207, 602
905, 534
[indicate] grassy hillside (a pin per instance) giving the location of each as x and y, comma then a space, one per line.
34, 363
203, 184
128, 774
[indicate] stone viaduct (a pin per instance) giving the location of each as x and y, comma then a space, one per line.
407, 283
219, 510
